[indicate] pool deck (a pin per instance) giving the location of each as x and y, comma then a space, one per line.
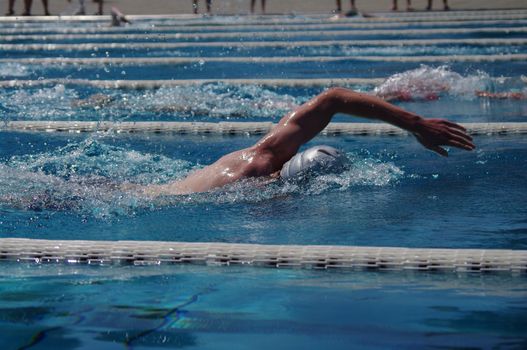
223, 7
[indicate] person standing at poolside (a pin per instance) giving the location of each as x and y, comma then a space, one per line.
10, 7
82, 9
408, 5
253, 3
352, 11
195, 6
274, 151
27, 8
100, 7
445, 5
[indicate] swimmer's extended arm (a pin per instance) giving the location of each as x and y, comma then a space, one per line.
308, 120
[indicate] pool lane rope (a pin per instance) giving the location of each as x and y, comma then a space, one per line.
143, 61
238, 128
160, 29
273, 34
158, 83
261, 44
321, 257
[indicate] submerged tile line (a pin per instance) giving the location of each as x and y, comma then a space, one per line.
239, 128
277, 256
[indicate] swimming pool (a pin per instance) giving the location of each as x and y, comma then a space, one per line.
66, 186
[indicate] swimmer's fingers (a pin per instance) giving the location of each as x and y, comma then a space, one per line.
434, 133
455, 126
461, 141
460, 133
461, 144
438, 149
457, 135
432, 146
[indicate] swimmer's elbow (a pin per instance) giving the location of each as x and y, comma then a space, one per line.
329, 101
335, 99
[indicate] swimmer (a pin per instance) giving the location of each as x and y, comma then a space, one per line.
96, 101
433, 93
273, 155
502, 95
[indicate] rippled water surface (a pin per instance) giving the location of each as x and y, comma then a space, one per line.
48, 306
391, 192
431, 91
74, 186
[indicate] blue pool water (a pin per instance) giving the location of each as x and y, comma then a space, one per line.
201, 69
237, 308
392, 192
70, 190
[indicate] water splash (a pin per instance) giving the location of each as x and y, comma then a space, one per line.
217, 100
45, 103
212, 101
14, 70
85, 177
89, 178
220, 101
429, 83
360, 170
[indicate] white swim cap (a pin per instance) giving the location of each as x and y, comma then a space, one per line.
318, 158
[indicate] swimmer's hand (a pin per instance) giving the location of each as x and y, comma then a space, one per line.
434, 133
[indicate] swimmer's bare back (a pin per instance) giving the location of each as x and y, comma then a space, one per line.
268, 155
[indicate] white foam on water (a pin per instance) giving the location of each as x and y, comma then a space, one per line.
429, 83
92, 178
361, 170
215, 100
43, 103
85, 177
14, 70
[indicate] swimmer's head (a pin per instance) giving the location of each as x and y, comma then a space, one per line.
315, 159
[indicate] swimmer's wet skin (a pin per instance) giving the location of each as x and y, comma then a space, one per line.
268, 156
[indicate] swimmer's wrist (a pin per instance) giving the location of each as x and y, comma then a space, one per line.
414, 123
410, 122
